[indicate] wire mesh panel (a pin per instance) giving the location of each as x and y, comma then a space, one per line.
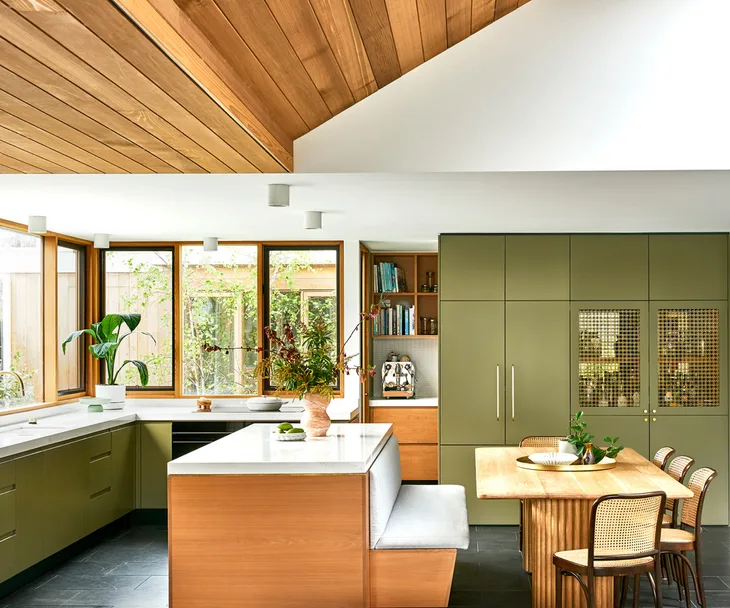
609, 360
688, 363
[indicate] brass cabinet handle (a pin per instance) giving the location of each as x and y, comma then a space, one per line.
653, 419
653, 411
646, 411
497, 392
646, 420
513, 393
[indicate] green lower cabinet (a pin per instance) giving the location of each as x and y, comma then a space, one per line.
704, 438
8, 520
101, 503
458, 466
32, 507
633, 431
66, 478
155, 451
124, 461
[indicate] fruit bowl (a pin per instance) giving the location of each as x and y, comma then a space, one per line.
289, 436
553, 458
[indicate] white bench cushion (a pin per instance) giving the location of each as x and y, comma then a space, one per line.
427, 517
385, 481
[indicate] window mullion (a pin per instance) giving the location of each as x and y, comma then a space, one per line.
50, 318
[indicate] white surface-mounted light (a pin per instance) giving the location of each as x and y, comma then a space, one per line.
278, 195
312, 220
101, 241
210, 243
37, 224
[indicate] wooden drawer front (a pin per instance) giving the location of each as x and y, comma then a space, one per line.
410, 424
419, 462
99, 445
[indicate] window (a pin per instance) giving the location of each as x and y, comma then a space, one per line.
21, 323
71, 317
220, 307
302, 284
140, 281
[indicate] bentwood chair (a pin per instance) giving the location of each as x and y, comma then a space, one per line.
677, 541
661, 458
624, 540
677, 470
536, 441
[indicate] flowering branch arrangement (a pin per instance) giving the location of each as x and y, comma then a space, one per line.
305, 363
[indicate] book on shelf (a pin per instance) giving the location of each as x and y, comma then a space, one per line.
396, 320
388, 278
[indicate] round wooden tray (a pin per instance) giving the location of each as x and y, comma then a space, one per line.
524, 462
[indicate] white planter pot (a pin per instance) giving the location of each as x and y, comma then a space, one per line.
117, 393
565, 447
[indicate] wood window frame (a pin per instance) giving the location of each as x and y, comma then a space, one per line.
82, 272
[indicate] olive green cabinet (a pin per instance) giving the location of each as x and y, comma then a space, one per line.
458, 466
537, 340
633, 431
609, 267
688, 266
537, 267
471, 400
124, 458
155, 451
704, 438
99, 489
471, 267
8, 520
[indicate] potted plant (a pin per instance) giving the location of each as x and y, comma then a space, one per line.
107, 336
579, 437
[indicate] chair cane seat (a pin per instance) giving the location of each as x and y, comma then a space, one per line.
579, 557
675, 536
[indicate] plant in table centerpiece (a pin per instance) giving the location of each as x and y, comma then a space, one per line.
579, 437
108, 335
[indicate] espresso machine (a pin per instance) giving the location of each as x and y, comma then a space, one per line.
399, 377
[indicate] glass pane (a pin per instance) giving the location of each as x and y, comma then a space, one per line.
21, 323
609, 358
141, 282
70, 318
689, 357
219, 308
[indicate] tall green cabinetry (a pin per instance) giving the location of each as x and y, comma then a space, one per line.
631, 329
504, 351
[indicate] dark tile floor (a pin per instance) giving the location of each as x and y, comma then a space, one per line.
129, 570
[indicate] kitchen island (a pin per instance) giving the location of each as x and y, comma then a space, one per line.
256, 522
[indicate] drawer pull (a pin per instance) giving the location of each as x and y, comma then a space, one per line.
8, 536
7, 489
101, 493
100, 457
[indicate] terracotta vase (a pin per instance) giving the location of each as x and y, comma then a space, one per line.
315, 420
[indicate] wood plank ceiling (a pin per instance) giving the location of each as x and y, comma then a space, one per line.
195, 86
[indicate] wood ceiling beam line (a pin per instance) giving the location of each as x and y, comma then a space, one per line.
44, 152
4, 169
206, 71
482, 14
458, 20
403, 15
18, 165
377, 36
45, 166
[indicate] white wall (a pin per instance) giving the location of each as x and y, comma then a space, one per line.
557, 85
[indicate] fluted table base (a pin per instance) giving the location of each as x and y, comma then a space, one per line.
558, 525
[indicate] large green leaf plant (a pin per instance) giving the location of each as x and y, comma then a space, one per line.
108, 335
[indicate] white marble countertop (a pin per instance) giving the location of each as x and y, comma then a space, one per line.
72, 421
417, 402
347, 449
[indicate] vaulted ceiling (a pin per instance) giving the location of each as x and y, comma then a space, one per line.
196, 86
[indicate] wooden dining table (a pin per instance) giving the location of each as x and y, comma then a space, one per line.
556, 510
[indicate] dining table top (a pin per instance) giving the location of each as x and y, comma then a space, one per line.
499, 477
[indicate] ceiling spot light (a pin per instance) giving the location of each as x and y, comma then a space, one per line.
101, 241
210, 243
278, 195
312, 220
37, 224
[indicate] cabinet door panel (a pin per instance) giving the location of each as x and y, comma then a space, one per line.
688, 266
33, 506
458, 466
155, 451
8, 521
124, 460
609, 267
472, 373
704, 438
537, 267
538, 350
471, 267
632, 431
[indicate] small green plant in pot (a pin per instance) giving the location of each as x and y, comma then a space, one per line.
579, 437
108, 335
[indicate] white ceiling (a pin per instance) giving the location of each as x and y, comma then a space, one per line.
385, 208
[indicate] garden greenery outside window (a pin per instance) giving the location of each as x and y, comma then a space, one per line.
71, 316
140, 280
21, 317
220, 306
301, 284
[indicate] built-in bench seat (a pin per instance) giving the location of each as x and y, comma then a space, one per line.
415, 531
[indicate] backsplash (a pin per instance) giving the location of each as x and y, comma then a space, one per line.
423, 353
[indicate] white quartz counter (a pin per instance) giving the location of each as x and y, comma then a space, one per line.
417, 402
72, 421
347, 449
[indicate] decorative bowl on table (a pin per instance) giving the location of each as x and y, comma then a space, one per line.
289, 436
264, 404
95, 404
553, 458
